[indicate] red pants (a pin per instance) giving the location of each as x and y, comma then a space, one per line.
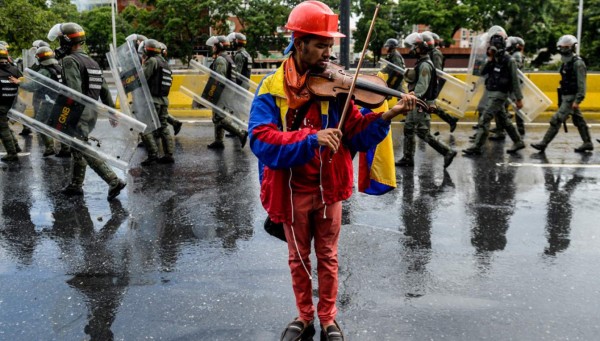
309, 223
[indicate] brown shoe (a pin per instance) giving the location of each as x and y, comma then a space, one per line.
332, 333
296, 331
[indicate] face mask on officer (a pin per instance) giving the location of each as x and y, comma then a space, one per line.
413, 51
565, 50
497, 45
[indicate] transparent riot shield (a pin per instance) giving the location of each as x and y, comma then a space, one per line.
451, 96
28, 56
246, 83
475, 87
224, 97
132, 89
535, 101
112, 138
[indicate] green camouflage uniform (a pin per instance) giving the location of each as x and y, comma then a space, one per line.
419, 121
6, 134
41, 110
394, 77
566, 107
495, 107
518, 57
242, 59
437, 57
221, 66
73, 79
170, 118
161, 103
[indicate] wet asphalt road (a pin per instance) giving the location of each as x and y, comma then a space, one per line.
488, 250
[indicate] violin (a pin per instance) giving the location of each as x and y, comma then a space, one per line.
370, 91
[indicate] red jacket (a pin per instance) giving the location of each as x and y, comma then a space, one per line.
278, 150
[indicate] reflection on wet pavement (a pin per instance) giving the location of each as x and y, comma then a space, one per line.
484, 248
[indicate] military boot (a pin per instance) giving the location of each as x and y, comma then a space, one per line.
72, 189
10, 158
151, 147
177, 127
587, 145
520, 125
48, 145
115, 189
473, 150
168, 144
25, 132
65, 151
516, 147
168, 158
243, 138
77, 176
514, 135
409, 152
548, 137
219, 135
448, 119
9, 146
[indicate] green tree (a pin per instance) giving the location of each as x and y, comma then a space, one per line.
22, 23
181, 24
97, 24
260, 20
386, 25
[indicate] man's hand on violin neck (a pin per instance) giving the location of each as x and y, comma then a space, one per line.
406, 104
330, 138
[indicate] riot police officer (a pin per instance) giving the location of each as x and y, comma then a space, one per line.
243, 59
223, 64
395, 78
160, 78
35, 67
571, 94
48, 67
502, 78
425, 87
437, 58
9, 90
515, 46
177, 124
83, 74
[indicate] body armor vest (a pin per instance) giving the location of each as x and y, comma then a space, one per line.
568, 83
230, 66
432, 89
161, 80
8, 90
91, 75
499, 77
247, 65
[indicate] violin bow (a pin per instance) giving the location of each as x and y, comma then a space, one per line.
362, 57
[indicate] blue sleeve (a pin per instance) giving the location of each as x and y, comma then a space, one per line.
273, 147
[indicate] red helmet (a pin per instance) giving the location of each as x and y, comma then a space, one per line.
314, 17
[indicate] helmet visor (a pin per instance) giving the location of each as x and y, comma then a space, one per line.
55, 32
212, 41
412, 39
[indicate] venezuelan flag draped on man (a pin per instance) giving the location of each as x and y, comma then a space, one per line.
376, 168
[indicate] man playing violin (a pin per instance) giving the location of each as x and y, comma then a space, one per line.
305, 162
